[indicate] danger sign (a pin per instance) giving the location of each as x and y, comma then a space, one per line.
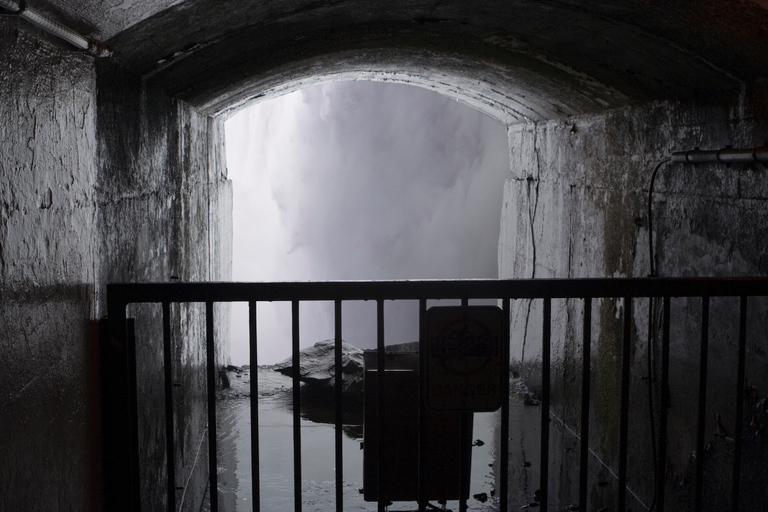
464, 368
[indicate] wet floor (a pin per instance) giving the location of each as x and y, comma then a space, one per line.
318, 471
318, 492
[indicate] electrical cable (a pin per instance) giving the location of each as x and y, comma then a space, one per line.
727, 155
650, 216
652, 333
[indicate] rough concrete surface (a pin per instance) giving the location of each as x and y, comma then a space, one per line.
101, 182
575, 206
49, 260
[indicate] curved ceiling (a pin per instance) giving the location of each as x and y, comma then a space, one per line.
515, 59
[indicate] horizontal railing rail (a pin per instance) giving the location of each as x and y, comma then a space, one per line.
121, 433
126, 293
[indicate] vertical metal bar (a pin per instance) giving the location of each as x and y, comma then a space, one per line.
546, 356
170, 444
133, 390
121, 479
586, 364
661, 470
338, 408
464, 441
422, 493
504, 445
624, 406
296, 407
739, 404
704, 353
254, 386
380, 369
213, 480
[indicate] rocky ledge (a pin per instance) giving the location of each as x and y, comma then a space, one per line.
317, 368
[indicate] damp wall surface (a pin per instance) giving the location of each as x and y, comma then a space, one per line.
102, 179
575, 206
49, 261
165, 213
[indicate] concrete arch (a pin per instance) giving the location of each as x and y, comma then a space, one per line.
540, 60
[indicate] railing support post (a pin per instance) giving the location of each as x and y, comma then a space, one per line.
122, 486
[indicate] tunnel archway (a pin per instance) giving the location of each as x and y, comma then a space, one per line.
584, 90
117, 165
538, 61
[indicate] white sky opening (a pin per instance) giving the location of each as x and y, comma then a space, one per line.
359, 181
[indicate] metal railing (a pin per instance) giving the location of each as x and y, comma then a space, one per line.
121, 421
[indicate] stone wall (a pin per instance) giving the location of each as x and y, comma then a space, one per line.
576, 207
103, 179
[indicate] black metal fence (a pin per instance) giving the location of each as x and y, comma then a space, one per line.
122, 450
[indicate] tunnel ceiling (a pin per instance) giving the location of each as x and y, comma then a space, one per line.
522, 59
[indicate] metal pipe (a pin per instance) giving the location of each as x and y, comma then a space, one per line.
726, 155
90, 45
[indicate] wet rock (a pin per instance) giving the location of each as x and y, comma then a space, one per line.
317, 368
